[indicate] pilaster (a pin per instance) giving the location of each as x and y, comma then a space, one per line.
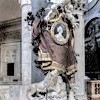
26, 43
80, 51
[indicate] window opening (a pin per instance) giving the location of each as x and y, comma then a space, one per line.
10, 69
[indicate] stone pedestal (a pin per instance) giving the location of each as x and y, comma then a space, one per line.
51, 88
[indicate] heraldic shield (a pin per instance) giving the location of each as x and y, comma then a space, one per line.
60, 32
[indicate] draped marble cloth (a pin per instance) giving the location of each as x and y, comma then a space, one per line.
52, 55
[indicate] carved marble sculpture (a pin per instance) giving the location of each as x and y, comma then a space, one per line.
53, 39
51, 88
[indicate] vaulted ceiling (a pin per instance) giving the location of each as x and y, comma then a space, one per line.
9, 9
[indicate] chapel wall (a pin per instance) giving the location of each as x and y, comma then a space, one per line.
10, 51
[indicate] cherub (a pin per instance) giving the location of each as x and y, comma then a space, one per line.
52, 9
69, 8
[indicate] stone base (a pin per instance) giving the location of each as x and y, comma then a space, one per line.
51, 88
9, 92
19, 92
13, 92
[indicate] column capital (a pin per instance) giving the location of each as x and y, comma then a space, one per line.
24, 2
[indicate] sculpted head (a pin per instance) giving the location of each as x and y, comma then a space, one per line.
50, 9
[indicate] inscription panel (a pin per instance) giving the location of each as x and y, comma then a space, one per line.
10, 54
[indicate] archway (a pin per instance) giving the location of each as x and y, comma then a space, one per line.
92, 48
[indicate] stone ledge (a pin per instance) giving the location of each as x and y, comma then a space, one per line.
81, 97
10, 83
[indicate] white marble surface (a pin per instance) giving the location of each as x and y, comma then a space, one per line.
26, 44
53, 87
80, 50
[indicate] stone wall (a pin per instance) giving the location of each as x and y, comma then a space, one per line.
10, 45
9, 9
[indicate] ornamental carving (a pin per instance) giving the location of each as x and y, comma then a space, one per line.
53, 41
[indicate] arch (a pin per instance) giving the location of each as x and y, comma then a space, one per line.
92, 4
95, 15
92, 47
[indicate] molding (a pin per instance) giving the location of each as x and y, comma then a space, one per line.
9, 23
11, 36
10, 30
95, 15
92, 4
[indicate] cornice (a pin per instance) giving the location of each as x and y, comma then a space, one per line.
13, 35
10, 23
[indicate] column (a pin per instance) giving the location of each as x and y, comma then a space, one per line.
26, 43
80, 50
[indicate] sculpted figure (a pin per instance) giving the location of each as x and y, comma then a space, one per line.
66, 6
54, 47
52, 86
